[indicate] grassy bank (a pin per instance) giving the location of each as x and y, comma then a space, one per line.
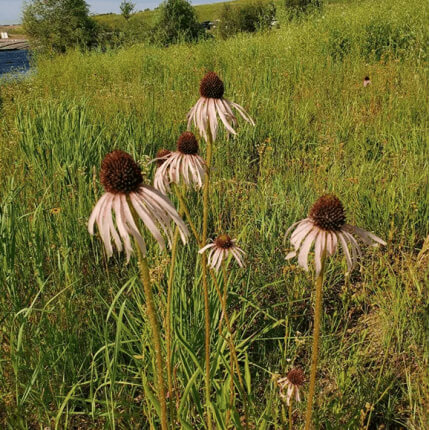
75, 344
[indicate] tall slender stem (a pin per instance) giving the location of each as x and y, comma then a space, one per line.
206, 189
315, 343
168, 323
156, 338
146, 281
290, 415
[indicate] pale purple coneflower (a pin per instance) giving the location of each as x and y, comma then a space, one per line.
366, 81
212, 105
182, 166
326, 227
126, 193
220, 249
290, 385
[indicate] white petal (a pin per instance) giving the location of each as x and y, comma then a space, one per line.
95, 213
131, 225
145, 216
221, 112
201, 251
122, 228
320, 244
342, 240
305, 248
366, 236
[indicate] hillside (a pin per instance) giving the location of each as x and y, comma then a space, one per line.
76, 342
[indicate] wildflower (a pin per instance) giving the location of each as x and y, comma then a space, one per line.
55, 211
220, 249
290, 385
212, 104
326, 226
123, 182
183, 165
366, 81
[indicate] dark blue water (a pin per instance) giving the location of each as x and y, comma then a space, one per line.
14, 61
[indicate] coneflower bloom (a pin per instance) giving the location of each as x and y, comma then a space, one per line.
123, 182
326, 227
182, 166
220, 249
366, 81
212, 105
290, 385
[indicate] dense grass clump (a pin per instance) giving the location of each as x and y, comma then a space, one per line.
75, 343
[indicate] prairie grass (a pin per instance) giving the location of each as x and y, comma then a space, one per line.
75, 343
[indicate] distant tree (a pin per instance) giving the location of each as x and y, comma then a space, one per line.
178, 21
56, 25
247, 18
126, 8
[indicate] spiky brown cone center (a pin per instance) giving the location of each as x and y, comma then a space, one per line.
328, 213
161, 154
187, 144
120, 173
211, 86
296, 377
224, 241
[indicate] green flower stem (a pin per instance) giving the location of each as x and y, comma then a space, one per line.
315, 343
146, 281
150, 308
206, 189
290, 415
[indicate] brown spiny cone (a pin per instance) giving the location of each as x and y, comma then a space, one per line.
120, 173
211, 86
327, 213
224, 241
160, 156
187, 143
296, 376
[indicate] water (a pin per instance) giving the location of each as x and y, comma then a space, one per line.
14, 61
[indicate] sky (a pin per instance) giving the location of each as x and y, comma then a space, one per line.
10, 10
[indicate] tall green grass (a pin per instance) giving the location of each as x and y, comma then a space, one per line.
75, 345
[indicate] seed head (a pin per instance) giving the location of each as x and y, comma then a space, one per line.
120, 173
224, 241
187, 143
160, 154
328, 213
296, 376
211, 86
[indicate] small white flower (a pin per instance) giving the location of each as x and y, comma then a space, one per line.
220, 249
182, 166
212, 105
123, 182
326, 227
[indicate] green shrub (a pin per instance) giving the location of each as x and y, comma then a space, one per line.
55, 25
178, 22
248, 18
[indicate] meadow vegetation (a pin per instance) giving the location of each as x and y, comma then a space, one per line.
75, 344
